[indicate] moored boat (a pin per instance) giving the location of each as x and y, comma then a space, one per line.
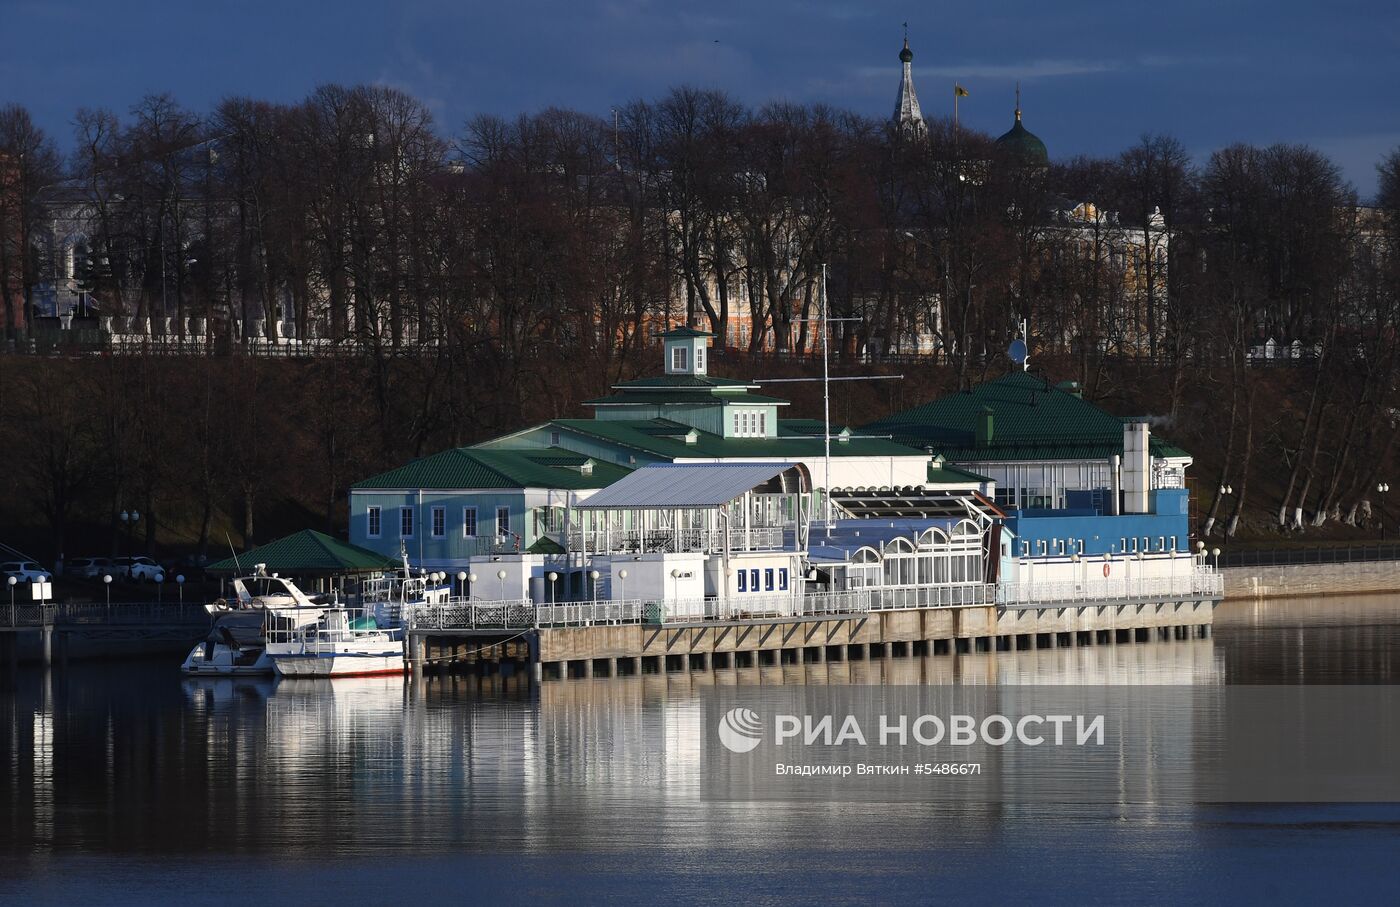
346, 642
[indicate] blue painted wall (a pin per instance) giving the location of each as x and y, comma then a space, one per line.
1165, 529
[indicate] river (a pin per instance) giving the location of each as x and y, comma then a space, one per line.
124, 783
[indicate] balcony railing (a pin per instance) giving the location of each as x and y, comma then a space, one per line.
512, 615
638, 541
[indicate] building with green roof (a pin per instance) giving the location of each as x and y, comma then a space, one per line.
464, 502
512, 495
1037, 440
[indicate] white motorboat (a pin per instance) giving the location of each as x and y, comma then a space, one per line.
346, 642
236, 642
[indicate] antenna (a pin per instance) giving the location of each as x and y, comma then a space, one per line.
1019, 350
823, 320
237, 566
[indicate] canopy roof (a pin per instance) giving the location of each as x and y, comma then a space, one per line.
668, 485
307, 553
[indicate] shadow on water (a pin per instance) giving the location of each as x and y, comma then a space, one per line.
121, 777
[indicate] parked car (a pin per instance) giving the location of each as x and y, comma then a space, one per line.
89, 567
137, 569
24, 571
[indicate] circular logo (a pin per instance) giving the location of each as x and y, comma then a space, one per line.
740, 730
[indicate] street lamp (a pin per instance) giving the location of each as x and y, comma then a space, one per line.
107, 584
593, 575
553, 578
160, 586
1215, 553
501, 575
621, 585
129, 520
1226, 489
180, 585
471, 589
1383, 488
462, 582
12, 582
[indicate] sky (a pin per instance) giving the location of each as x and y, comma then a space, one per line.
1095, 75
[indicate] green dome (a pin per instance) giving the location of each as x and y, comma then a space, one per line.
1024, 144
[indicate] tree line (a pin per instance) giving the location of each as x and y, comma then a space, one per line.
504, 249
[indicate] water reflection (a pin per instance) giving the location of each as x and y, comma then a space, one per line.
127, 758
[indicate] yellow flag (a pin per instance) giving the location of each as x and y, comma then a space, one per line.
959, 91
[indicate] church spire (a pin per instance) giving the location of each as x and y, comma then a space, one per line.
907, 116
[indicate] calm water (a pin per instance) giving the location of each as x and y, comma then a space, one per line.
125, 783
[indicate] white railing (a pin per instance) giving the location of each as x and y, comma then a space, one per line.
1197, 584
460, 614
638, 541
464, 614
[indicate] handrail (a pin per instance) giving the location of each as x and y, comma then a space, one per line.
521, 614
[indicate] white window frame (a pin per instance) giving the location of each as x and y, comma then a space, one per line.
406, 518
680, 358
437, 528
502, 509
471, 523
374, 521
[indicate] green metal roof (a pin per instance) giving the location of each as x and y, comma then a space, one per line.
952, 475
675, 381
469, 467
307, 552
805, 428
652, 436
662, 396
1031, 420
684, 331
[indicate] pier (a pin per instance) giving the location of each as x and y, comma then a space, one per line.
51, 633
611, 639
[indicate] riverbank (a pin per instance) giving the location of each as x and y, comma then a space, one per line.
1311, 580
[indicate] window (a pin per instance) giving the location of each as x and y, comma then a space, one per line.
372, 522
782, 579
468, 522
439, 522
1060, 546
762, 424
700, 359
1173, 543
768, 580
503, 521
1161, 543
743, 580
554, 439
753, 580
406, 522
679, 358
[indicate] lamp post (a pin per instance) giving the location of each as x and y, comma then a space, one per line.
129, 520
471, 589
160, 586
12, 582
553, 578
107, 584
462, 583
501, 575
1382, 489
593, 593
180, 585
621, 585
1215, 553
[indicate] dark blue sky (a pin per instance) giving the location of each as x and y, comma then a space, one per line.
1095, 74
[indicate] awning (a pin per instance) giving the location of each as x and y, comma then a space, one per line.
673, 485
307, 553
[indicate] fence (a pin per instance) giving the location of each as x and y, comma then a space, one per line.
1287, 557
523, 615
29, 614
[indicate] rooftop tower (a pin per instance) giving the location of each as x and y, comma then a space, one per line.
907, 116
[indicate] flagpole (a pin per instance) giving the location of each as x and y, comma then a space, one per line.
955, 106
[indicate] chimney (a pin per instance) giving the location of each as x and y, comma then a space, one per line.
985, 427
1136, 466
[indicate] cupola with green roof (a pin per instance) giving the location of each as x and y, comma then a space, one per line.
1021, 142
